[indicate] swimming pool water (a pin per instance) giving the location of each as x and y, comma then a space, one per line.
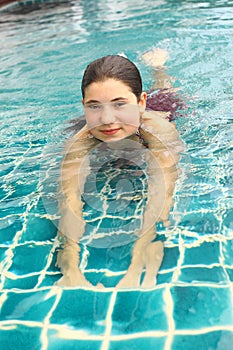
44, 50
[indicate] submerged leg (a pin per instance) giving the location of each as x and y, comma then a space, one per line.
156, 58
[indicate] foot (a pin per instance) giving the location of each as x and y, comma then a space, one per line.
155, 57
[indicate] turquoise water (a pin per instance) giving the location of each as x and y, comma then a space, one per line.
44, 51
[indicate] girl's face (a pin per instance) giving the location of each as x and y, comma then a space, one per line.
111, 109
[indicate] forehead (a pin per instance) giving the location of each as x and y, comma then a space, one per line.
108, 90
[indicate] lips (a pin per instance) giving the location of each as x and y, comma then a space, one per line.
110, 131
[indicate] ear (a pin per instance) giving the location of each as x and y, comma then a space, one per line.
142, 102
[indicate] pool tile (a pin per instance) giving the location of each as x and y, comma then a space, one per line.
115, 224
20, 337
114, 259
138, 311
204, 223
9, 227
83, 310
228, 220
48, 204
38, 229
4, 192
219, 340
29, 258
164, 278
139, 344
39, 207
207, 200
49, 280
56, 343
198, 307
21, 283
6, 167
202, 274
207, 253
228, 251
230, 274
225, 340
171, 256
13, 207
3, 255
32, 306
25, 188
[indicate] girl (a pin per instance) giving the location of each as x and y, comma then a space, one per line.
116, 116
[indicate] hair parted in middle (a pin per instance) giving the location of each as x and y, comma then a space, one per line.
113, 67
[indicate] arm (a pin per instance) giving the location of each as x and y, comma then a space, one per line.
74, 170
164, 147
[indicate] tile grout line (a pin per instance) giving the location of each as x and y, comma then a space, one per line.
231, 291
9, 253
169, 300
171, 324
105, 344
180, 261
46, 323
221, 261
43, 272
156, 334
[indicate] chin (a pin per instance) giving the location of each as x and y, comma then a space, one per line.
111, 139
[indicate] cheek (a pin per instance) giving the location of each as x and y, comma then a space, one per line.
131, 120
129, 129
92, 122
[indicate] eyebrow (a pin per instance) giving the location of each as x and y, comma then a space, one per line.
114, 100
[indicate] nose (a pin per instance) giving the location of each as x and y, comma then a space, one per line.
107, 115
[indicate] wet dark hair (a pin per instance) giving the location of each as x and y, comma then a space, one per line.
113, 67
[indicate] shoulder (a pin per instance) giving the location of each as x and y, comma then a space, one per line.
160, 134
156, 123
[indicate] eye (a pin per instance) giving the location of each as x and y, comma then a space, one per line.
119, 104
94, 107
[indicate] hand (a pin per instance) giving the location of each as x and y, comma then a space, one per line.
73, 278
153, 259
131, 280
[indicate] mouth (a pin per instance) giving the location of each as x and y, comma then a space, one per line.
110, 131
